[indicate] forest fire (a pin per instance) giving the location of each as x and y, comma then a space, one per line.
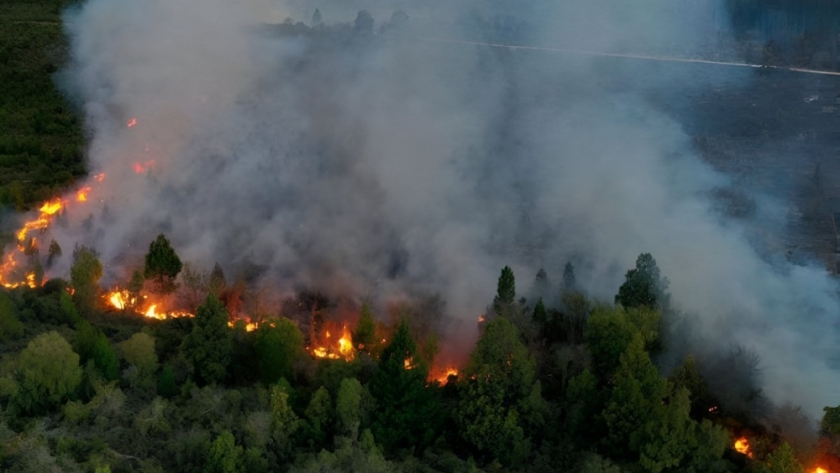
45, 216
82, 194
442, 377
742, 446
819, 470
340, 349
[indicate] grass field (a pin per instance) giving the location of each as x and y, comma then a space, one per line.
41, 140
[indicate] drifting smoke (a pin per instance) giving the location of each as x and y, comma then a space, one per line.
373, 161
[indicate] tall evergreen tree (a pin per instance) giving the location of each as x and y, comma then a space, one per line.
162, 265
407, 414
209, 345
505, 289
644, 286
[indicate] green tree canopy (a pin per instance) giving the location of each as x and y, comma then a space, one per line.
224, 456
278, 345
364, 337
10, 326
406, 416
643, 285
162, 264
48, 373
505, 289
139, 350
209, 346
500, 395
84, 276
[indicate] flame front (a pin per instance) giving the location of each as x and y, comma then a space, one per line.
443, 377
335, 350
45, 215
742, 445
819, 470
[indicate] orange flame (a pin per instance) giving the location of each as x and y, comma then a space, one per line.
118, 299
742, 445
45, 216
443, 377
819, 470
82, 194
341, 349
140, 168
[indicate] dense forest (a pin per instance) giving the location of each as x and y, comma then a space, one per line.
93, 380
85, 386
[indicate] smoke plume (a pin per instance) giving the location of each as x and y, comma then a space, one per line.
371, 155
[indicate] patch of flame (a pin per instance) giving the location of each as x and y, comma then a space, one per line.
45, 216
742, 446
336, 350
82, 194
443, 378
819, 470
131, 123
99, 177
141, 168
118, 299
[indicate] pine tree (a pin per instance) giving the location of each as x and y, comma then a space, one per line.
505, 290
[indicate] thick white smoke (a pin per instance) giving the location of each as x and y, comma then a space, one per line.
378, 163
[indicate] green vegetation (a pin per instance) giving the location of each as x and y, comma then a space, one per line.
41, 138
163, 266
195, 394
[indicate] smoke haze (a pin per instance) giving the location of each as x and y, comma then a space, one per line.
378, 161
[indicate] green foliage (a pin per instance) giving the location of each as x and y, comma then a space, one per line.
10, 326
84, 276
643, 285
47, 373
406, 416
686, 376
348, 407
166, 385
498, 394
41, 137
278, 345
68, 307
105, 358
364, 337
783, 460
637, 391
224, 456
505, 289
209, 345
162, 265
284, 422
318, 419
608, 333
139, 350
